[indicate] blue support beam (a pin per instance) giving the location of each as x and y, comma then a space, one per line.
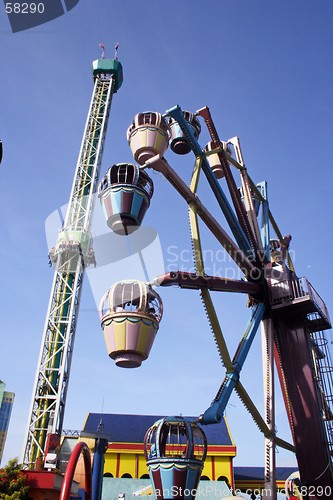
98, 468
222, 200
215, 412
265, 236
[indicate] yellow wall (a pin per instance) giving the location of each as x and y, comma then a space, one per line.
217, 466
110, 465
121, 461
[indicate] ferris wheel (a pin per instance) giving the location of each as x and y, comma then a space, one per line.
292, 315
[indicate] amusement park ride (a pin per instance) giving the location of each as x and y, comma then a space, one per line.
292, 315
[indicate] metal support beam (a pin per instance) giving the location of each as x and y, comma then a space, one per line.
243, 219
265, 233
214, 283
267, 341
160, 164
221, 198
215, 412
248, 197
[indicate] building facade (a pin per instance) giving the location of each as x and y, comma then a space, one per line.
126, 472
6, 405
125, 454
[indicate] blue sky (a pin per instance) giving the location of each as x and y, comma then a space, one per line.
264, 69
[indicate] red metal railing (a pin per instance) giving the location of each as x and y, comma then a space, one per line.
293, 289
65, 492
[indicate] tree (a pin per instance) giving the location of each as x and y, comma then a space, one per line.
13, 482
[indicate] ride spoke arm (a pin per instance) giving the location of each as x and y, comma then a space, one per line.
257, 193
197, 282
249, 204
237, 202
161, 165
215, 412
199, 265
221, 198
251, 408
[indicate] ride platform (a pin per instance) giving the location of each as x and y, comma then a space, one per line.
297, 296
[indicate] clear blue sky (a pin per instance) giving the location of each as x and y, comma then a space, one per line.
265, 71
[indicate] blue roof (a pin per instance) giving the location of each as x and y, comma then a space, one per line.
258, 473
132, 428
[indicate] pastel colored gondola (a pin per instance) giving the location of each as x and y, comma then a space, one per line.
130, 313
214, 160
148, 136
175, 450
125, 193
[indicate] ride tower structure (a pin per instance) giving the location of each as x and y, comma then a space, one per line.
71, 255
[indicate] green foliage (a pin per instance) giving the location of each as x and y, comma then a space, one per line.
13, 482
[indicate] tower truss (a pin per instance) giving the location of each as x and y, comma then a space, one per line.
72, 253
